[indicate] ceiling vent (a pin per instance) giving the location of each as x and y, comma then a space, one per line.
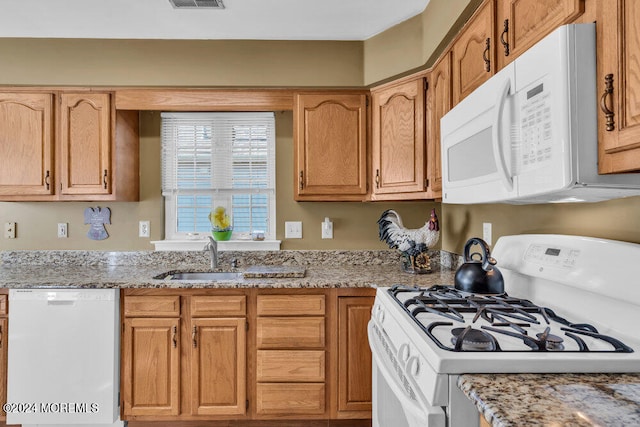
197, 4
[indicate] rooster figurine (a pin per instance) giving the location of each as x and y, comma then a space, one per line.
413, 243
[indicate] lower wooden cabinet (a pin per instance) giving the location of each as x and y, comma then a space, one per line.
180, 361
151, 361
213, 354
354, 357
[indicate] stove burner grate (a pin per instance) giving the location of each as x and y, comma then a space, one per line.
499, 311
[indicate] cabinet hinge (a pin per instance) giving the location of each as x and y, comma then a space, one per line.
367, 101
426, 183
247, 405
425, 83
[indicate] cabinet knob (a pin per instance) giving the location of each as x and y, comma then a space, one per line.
608, 114
504, 36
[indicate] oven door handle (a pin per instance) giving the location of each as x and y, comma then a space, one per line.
408, 403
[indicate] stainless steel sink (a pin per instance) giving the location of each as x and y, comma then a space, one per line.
210, 276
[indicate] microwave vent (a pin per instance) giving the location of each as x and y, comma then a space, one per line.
197, 4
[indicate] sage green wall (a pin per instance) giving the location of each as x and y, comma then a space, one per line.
614, 219
180, 62
416, 42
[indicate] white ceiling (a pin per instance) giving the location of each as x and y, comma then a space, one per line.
241, 19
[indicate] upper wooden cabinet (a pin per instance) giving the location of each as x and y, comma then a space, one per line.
438, 104
473, 53
85, 143
85, 150
398, 154
521, 23
330, 146
618, 83
26, 144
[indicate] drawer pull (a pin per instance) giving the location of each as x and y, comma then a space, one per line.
194, 333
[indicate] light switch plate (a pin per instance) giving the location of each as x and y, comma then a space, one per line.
63, 230
293, 230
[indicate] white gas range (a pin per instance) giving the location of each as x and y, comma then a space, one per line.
571, 304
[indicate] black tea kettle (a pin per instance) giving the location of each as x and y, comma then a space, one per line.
479, 276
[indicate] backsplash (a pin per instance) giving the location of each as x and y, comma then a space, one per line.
197, 258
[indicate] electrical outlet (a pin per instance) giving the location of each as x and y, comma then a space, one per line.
9, 230
293, 230
486, 232
144, 229
62, 230
327, 229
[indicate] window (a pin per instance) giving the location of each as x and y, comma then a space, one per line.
218, 159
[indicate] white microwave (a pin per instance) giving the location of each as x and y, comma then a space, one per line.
529, 133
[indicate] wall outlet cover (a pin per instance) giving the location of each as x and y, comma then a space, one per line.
144, 229
63, 230
9, 230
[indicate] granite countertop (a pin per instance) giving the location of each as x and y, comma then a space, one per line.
322, 269
574, 400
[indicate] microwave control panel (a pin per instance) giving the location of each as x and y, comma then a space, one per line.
535, 127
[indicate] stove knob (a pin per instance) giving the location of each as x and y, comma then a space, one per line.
380, 313
404, 352
413, 366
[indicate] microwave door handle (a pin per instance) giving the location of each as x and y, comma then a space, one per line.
496, 140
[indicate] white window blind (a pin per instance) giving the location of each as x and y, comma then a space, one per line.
218, 159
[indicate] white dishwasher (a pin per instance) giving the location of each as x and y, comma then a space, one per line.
63, 357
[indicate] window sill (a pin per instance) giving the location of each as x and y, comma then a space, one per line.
229, 245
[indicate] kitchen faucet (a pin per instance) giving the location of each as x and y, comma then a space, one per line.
212, 247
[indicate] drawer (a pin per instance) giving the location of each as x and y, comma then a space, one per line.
4, 308
290, 332
290, 399
291, 305
152, 306
290, 365
218, 305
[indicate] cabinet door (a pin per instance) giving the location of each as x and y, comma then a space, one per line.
85, 143
618, 85
398, 136
26, 144
473, 53
354, 366
218, 367
151, 376
528, 21
330, 146
438, 104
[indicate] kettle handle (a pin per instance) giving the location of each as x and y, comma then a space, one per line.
487, 260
